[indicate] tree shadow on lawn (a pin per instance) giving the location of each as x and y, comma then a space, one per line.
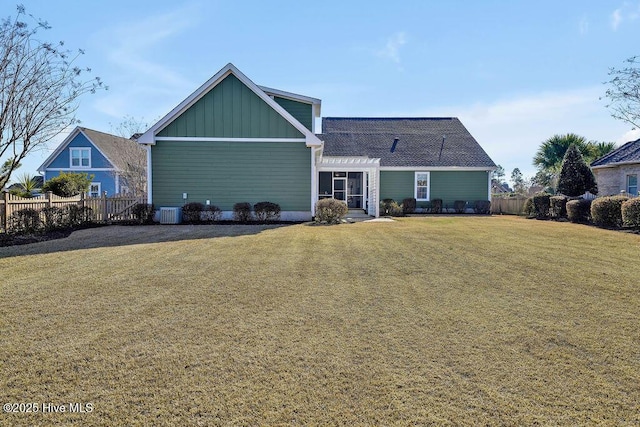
119, 235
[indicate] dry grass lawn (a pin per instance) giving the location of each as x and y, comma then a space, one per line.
442, 321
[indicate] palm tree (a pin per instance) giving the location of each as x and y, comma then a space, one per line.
598, 149
551, 152
28, 185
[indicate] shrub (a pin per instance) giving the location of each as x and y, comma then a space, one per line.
191, 212
143, 213
68, 184
409, 205
25, 221
242, 212
482, 207
211, 213
459, 206
77, 215
436, 206
54, 217
541, 205
558, 206
607, 211
631, 213
391, 208
528, 210
267, 211
579, 211
329, 211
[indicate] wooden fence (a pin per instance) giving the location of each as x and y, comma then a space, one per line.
103, 209
507, 205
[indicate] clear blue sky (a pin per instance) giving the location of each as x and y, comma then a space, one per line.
514, 72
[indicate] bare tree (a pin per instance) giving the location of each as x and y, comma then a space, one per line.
132, 159
40, 86
624, 92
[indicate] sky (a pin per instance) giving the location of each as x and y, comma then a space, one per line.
514, 72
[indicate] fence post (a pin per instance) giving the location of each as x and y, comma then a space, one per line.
49, 194
5, 207
104, 206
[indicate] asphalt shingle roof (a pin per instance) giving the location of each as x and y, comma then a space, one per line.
628, 153
117, 149
420, 141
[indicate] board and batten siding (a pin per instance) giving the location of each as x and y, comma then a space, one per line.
230, 110
230, 172
446, 185
301, 111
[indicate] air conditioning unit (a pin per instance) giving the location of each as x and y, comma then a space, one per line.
170, 215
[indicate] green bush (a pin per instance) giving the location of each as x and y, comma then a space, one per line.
211, 213
459, 206
482, 207
391, 208
528, 210
143, 213
330, 211
68, 184
266, 211
242, 212
631, 213
409, 205
191, 212
579, 211
436, 206
54, 217
541, 205
25, 221
607, 211
77, 215
558, 206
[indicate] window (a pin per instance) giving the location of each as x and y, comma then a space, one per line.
80, 157
94, 189
422, 186
632, 184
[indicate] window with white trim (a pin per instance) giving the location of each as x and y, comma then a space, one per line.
421, 186
80, 157
94, 189
632, 184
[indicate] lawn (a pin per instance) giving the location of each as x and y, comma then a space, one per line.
437, 320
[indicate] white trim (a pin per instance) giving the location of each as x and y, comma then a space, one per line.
435, 168
218, 139
314, 181
99, 192
613, 165
149, 137
64, 145
149, 181
290, 95
81, 150
489, 189
415, 186
80, 170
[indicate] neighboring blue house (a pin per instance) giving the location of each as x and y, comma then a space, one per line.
108, 158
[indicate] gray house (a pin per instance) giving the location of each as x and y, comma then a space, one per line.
618, 171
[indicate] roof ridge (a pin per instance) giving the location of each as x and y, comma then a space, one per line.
390, 118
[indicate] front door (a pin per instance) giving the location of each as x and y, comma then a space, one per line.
340, 186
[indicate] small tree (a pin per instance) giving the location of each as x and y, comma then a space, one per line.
624, 92
518, 181
27, 186
40, 85
575, 176
68, 184
133, 165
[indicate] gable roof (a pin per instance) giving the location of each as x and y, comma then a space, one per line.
115, 149
627, 153
149, 136
420, 141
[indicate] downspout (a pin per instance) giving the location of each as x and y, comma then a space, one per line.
314, 180
149, 184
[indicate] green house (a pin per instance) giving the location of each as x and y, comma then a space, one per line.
233, 141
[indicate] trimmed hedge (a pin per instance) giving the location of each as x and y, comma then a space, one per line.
631, 213
191, 212
607, 211
143, 213
211, 213
330, 211
579, 211
25, 221
242, 212
266, 211
54, 217
482, 207
541, 205
391, 208
459, 206
558, 206
409, 205
436, 206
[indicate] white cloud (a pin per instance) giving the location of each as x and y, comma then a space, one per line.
627, 12
391, 49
